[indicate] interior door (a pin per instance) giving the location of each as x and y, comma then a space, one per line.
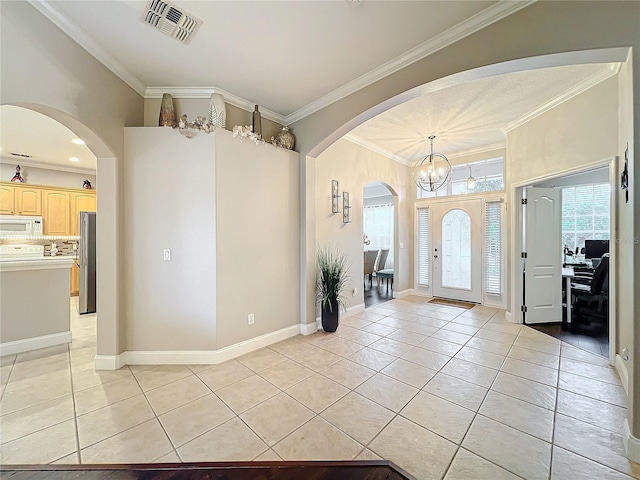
457, 250
543, 264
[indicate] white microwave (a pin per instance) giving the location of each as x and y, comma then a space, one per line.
20, 225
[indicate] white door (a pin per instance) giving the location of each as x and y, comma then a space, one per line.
543, 264
457, 250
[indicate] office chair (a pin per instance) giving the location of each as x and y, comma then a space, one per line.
591, 298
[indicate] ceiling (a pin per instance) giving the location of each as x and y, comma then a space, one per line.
473, 117
323, 51
48, 142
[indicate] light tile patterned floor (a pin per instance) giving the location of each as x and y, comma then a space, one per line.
443, 392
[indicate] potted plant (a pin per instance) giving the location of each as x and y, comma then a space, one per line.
331, 282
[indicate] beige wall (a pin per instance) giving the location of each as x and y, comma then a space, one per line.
258, 238
170, 194
626, 238
579, 131
354, 167
195, 107
21, 317
43, 69
228, 210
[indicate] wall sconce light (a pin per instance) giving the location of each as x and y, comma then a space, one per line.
346, 208
335, 197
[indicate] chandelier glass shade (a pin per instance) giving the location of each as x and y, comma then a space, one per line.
471, 182
433, 171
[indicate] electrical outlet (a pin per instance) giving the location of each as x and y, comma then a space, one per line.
251, 319
354, 292
166, 254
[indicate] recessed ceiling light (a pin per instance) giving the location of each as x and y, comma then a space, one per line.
78, 141
74, 159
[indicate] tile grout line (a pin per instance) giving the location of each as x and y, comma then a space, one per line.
75, 410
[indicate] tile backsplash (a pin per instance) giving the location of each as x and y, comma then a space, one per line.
65, 247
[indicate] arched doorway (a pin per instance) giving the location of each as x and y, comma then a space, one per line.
107, 238
379, 218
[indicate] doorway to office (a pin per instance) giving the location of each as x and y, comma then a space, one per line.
378, 234
568, 260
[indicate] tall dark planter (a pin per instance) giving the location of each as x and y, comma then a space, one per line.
330, 317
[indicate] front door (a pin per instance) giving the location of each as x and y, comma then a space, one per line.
457, 250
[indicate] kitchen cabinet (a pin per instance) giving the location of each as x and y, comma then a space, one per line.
81, 202
75, 279
7, 200
28, 200
56, 212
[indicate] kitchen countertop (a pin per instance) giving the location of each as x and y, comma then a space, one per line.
36, 263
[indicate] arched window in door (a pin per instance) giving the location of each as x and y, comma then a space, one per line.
456, 249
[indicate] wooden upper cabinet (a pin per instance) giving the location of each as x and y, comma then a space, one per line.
81, 202
28, 200
7, 200
56, 212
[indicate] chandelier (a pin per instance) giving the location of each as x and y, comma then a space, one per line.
432, 172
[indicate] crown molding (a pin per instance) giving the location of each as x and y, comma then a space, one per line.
469, 26
577, 89
82, 38
376, 149
46, 166
205, 92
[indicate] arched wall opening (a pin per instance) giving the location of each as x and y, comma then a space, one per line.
108, 268
380, 235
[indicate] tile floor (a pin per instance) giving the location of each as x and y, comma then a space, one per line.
442, 392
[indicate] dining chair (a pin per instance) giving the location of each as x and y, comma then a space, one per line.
370, 257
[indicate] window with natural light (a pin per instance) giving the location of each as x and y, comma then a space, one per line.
585, 214
488, 175
378, 226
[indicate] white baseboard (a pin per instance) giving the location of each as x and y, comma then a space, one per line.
622, 372
233, 351
351, 311
509, 318
194, 357
308, 328
28, 344
419, 293
108, 362
403, 293
631, 443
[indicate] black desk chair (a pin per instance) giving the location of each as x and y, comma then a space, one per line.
591, 296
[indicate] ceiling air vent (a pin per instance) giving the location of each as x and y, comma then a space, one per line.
170, 20
21, 155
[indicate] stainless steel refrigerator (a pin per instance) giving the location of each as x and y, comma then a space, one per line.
87, 263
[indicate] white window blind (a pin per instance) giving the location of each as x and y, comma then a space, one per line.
493, 247
585, 214
377, 223
423, 246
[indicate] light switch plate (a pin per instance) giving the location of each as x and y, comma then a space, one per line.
166, 254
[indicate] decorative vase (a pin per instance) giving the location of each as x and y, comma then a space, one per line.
167, 112
330, 317
284, 138
257, 122
217, 110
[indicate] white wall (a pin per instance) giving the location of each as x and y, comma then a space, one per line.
44, 176
354, 167
170, 193
258, 238
600, 175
